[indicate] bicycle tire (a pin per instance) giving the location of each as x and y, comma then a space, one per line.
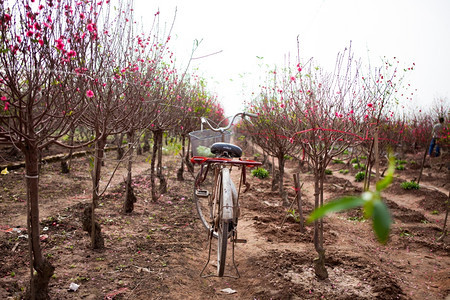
222, 242
201, 203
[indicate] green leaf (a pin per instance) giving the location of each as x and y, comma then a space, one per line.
343, 203
387, 180
381, 221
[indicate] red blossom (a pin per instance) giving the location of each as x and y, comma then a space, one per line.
30, 33
89, 94
71, 53
59, 45
41, 42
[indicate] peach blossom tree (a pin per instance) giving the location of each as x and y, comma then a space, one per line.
42, 49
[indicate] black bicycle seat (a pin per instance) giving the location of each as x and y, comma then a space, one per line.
230, 149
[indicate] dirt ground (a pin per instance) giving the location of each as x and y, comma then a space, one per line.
159, 250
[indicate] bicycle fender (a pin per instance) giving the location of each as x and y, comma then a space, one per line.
227, 196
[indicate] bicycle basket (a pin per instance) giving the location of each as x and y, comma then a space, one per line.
202, 140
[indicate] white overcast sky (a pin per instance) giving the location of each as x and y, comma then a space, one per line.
412, 30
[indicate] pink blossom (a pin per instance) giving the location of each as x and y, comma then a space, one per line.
90, 27
7, 18
71, 53
29, 33
60, 45
41, 42
49, 19
370, 105
82, 16
4, 98
89, 94
6, 106
41, 7
292, 78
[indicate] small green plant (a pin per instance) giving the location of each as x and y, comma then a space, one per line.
371, 202
400, 162
13, 274
354, 161
410, 185
359, 166
328, 172
345, 152
338, 161
363, 157
356, 218
260, 173
344, 171
435, 212
287, 157
291, 213
360, 176
400, 167
405, 233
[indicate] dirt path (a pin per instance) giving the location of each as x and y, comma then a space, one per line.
158, 251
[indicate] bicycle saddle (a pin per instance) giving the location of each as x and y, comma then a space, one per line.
230, 149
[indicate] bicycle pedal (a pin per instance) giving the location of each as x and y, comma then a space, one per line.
202, 193
240, 241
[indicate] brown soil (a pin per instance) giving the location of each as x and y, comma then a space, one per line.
159, 250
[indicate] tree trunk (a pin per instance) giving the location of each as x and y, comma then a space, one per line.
130, 198
421, 167
67, 162
180, 171
119, 143
152, 165
298, 196
283, 194
98, 159
159, 167
444, 226
146, 146
44, 270
319, 263
187, 161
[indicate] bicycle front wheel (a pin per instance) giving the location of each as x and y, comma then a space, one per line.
222, 247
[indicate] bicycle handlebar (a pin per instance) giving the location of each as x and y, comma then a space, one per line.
222, 129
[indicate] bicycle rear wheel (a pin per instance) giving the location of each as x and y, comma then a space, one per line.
222, 247
204, 197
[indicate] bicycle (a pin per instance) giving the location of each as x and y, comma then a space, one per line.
216, 197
